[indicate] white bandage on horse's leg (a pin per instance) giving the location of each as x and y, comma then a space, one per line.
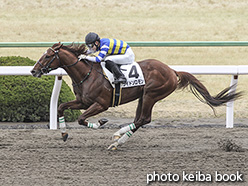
62, 125
121, 140
93, 125
125, 129
125, 137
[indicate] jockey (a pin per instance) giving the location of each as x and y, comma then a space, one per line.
113, 52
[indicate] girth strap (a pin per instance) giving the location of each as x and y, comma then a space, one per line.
116, 95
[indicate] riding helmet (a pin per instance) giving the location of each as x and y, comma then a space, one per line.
91, 38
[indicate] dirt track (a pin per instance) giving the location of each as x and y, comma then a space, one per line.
40, 157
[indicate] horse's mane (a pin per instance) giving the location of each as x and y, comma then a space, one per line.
75, 48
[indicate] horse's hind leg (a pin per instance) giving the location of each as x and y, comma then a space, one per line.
125, 129
144, 111
138, 110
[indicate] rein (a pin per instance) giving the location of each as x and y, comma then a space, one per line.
86, 77
88, 74
46, 69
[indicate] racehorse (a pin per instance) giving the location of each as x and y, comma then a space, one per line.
94, 92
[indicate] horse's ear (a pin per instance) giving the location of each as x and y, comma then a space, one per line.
60, 46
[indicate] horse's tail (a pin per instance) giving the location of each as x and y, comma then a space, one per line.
200, 91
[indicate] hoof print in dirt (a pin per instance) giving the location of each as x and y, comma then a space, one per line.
229, 146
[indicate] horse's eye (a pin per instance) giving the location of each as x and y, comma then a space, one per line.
47, 56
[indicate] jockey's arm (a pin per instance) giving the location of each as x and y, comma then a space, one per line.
89, 51
100, 57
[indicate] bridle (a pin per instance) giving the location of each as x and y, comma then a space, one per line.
46, 68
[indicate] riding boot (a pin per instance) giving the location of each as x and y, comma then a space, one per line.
114, 68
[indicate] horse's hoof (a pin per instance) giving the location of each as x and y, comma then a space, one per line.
102, 121
116, 137
64, 136
113, 146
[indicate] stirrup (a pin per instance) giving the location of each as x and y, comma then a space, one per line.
120, 80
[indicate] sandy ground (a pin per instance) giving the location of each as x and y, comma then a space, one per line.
38, 156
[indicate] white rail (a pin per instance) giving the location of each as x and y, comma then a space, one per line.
58, 73
234, 70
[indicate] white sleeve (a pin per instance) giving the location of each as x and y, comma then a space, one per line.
89, 51
90, 58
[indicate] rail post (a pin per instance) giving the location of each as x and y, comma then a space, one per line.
54, 102
230, 105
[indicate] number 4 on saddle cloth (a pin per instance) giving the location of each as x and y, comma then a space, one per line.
134, 76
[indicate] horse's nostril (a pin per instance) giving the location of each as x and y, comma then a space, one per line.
32, 71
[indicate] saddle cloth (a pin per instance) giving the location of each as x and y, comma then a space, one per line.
132, 72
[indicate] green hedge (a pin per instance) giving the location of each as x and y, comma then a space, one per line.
26, 98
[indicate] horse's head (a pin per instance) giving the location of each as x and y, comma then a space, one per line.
48, 61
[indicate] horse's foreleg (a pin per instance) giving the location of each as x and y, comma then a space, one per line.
93, 110
69, 105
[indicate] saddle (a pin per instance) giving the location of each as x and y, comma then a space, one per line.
133, 74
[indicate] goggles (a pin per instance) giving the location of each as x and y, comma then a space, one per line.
90, 45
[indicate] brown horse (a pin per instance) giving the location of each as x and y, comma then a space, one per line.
94, 92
